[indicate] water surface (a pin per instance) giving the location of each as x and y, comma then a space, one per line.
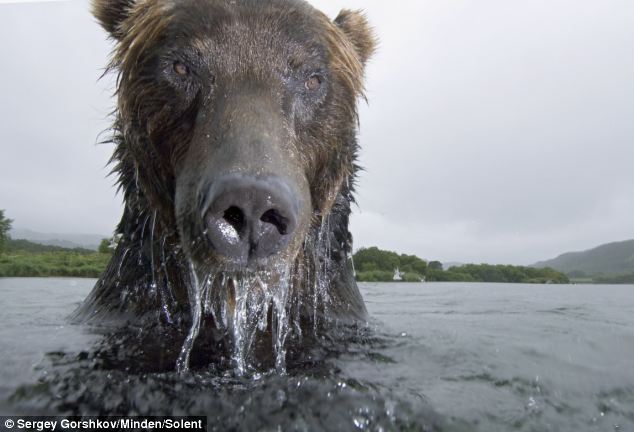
436, 356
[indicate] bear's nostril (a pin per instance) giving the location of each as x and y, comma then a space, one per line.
274, 218
235, 217
248, 218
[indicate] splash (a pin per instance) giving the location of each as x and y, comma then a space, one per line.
244, 306
248, 305
195, 293
320, 280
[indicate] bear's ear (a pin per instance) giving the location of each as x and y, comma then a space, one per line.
356, 28
111, 13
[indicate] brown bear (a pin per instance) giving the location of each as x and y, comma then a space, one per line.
235, 148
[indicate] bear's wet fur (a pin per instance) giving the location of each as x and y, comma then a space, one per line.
210, 90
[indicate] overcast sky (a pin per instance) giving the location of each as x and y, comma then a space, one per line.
497, 131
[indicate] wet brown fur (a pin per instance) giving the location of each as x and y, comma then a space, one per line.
146, 273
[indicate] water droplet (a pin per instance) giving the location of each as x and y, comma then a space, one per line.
360, 422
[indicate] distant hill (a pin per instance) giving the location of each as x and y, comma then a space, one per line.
610, 258
68, 241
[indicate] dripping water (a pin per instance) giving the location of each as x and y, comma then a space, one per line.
142, 238
121, 261
255, 298
321, 280
354, 270
244, 305
239, 322
240, 305
195, 294
165, 289
280, 325
152, 264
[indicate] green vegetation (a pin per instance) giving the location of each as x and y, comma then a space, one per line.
104, 247
498, 273
27, 246
626, 278
376, 265
610, 259
610, 263
5, 226
435, 265
23, 258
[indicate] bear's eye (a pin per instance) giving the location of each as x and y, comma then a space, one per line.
181, 68
313, 83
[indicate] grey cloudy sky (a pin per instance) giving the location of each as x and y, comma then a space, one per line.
497, 131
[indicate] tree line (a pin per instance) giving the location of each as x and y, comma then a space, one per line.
5, 227
375, 265
22, 258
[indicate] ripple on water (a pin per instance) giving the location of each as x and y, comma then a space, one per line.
307, 400
549, 367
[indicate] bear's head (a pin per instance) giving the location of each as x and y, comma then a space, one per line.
237, 120
235, 136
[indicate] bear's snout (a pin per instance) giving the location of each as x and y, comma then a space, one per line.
248, 218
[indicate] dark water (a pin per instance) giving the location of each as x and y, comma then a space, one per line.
437, 356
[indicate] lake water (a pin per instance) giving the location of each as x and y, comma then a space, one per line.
440, 356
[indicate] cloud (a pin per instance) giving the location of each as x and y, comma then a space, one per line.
54, 107
497, 131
